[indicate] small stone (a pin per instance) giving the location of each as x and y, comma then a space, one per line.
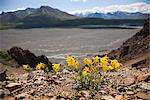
65, 94
9, 98
138, 89
54, 76
54, 98
143, 95
143, 77
85, 94
82, 98
32, 92
145, 86
58, 82
50, 95
108, 97
130, 92
103, 92
129, 80
118, 97
126, 97
21, 96
6, 91
41, 86
66, 71
13, 86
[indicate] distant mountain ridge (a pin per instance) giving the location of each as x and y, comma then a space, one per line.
31, 14
113, 15
46, 16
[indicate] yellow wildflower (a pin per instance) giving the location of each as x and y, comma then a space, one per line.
105, 58
56, 67
26, 67
96, 60
104, 67
110, 68
77, 65
87, 61
104, 63
86, 71
40, 66
115, 64
70, 61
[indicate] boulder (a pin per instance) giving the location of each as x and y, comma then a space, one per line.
23, 57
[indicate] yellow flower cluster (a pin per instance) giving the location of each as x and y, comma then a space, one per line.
56, 67
96, 60
87, 62
86, 71
115, 64
40, 66
104, 63
71, 62
106, 66
26, 67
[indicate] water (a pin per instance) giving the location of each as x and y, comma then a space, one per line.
56, 43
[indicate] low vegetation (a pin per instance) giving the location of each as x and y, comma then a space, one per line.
88, 74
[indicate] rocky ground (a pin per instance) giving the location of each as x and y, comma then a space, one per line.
131, 82
125, 84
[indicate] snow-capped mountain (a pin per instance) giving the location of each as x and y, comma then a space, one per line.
132, 11
114, 15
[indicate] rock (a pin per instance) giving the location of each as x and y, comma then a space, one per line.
9, 98
13, 86
118, 97
53, 98
3, 75
66, 71
140, 64
65, 94
143, 77
108, 97
32, 92
126, 97
23, 57
138, 89
50, 95
103, 92
143, 95
4, 92
85, 94
129, 80
130, 92
145, 86
21, 96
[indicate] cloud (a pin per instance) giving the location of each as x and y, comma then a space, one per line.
15, 9
135, 7
78, 0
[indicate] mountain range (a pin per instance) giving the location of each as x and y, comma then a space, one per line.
46, 16
44, 13
113, 15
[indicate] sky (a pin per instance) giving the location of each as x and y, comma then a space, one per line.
64, 5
